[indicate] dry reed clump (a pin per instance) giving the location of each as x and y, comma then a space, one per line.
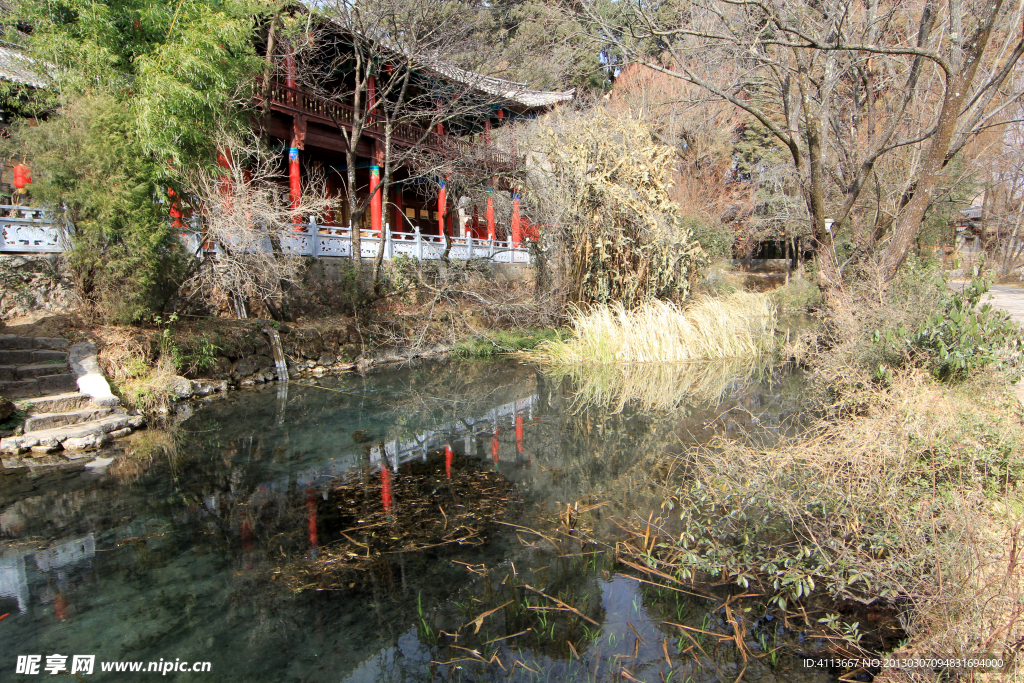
912, 506
741, 325
659, 386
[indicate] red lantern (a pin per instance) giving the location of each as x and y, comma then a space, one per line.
22, 176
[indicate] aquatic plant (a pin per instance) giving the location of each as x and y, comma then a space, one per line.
738, 326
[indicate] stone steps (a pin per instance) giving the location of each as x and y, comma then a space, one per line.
57, 403
34, 366
30, 356
40, 421
61, 419
74, 438
38, 386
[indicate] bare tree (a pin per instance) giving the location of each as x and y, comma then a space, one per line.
1002, 217
847, 87
246, 222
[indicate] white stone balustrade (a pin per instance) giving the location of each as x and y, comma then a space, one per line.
30, 230
325, 241
25, 229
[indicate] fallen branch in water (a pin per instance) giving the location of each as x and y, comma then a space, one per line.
562, 604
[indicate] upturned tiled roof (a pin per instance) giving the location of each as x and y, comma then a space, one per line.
510, 91
15, 66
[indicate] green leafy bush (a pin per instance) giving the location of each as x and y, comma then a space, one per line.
962, 336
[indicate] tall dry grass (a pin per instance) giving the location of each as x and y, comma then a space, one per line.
738, 326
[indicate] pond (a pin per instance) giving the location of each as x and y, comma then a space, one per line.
441, 521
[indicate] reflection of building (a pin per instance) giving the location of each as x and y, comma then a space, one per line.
13, 581
56, 562
401, 451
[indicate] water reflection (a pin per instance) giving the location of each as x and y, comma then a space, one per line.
212, 545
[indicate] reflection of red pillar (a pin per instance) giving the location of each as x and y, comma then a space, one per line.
294, 185
448, 460
517, 233
311, 518
246, 530
385, 488
494, 447
61, 607
519, 432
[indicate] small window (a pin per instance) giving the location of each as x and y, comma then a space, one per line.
424, 213
410, 213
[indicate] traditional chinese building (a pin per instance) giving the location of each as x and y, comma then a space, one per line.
314, 129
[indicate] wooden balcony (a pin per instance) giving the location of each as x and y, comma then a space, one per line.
292, 101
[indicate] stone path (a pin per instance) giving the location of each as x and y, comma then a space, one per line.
69, 407
1011, 300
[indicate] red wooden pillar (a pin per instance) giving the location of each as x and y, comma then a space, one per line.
491, 228
399, 222
376, 201
442, 195
517, 231
385, 488
442, 203
224, 181
329, 189
487, 130
519, 433
475, 231
376, 205
175, 210
294, 185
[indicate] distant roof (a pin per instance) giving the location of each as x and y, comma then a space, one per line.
510, 91
973, 213
17, 67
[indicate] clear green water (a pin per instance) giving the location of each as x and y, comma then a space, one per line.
184, 553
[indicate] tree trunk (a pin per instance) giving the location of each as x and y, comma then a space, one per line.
958, 84
785, 252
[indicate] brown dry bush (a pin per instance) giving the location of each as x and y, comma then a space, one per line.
912, 507
599, 184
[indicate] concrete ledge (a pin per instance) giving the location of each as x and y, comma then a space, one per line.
82, 357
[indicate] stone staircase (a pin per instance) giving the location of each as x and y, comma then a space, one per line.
62, 422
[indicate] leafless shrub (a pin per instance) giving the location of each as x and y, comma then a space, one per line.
247, 221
